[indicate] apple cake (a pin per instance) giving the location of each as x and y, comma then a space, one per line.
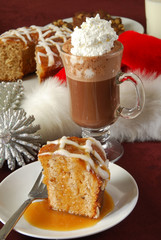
76, 173
29, 49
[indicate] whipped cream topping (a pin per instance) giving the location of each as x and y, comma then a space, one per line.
95, 37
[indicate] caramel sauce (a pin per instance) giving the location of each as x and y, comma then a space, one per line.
40, 215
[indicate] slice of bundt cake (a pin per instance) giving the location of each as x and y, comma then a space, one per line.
17, 54
76, 173
47, 54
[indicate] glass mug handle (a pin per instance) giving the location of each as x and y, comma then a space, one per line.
130, 113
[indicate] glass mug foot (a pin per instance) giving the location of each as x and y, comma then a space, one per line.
113, 149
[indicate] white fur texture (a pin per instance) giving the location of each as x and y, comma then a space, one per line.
147, 126
49, 104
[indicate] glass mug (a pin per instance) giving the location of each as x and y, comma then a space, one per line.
93, 84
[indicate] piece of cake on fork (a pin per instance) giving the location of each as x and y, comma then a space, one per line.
76, 173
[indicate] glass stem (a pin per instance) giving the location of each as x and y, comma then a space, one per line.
100, 134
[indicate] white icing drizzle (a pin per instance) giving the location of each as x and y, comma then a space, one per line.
45, 153
97, 212
46, 42
43, 41
101, 168
40, 54
19, 33
74, 155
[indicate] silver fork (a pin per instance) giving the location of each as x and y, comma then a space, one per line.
38, 191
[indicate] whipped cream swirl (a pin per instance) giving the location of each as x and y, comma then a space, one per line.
95, 37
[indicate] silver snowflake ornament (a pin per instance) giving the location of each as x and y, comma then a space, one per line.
18, 139
11, 94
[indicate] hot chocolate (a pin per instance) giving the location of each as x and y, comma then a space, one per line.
92, 61
92, 84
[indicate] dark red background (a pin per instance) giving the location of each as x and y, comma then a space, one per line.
142, 160
20, 13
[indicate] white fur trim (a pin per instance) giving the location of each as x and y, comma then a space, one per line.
49, 104
147, 126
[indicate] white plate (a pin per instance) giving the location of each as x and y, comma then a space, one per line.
129, 24
13, 191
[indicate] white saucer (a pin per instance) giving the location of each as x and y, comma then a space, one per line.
128, 23
14, 189
131, 24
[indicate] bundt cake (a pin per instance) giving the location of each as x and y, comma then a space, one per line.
27, 48
76, 173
